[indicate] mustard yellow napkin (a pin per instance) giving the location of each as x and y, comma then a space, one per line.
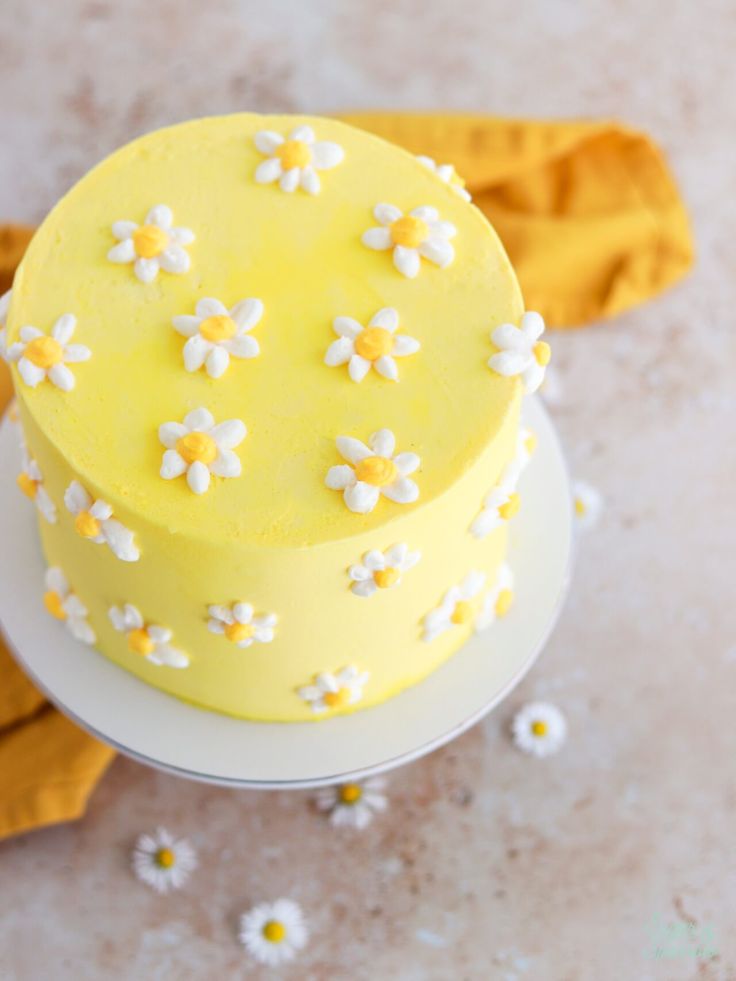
593, 223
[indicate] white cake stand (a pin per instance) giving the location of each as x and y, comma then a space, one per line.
163, 732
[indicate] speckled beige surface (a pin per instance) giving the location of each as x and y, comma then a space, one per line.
488, 865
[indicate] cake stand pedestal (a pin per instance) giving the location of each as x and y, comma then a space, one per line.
163, 732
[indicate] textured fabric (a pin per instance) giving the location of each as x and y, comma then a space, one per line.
588, 211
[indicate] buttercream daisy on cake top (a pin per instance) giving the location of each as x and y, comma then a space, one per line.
294, 160
273, 933
152, 246
372, 471
374, 346
447, 174
216, 334
46, 356
199, 448
420, 234
162, 861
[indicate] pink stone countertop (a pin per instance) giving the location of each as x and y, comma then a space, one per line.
488, 864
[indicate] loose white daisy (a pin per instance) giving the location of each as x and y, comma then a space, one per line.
520, 351
4, 307
374, 346
539, 729
497, 601
420, 234
66, 606
587, 504
447, 174
273, 933
93, 520
373, 470
42, 356
152, 246
30, 481
353, 805
162, 861
147, 640
199, 448
294, 161
239, 625
216, 334
502, 502
456, 608
335, 691
381, 570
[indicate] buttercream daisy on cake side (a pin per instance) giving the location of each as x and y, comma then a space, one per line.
64, 605
372, 471
94, 521
215, 334
240, 625
199, 448
521, 352
147, 640
30, 481
42, 356
162, 861
420, 234
497, 601
381, 570
457, 607
375, 346
294, 160
152, 246
273, 933
330, 691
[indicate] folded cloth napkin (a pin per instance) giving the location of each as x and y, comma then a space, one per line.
593, 223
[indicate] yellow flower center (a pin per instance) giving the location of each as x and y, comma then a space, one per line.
409, 231
376, 470
165, 858
462, 613
54, 604
530, 443
384, 578
87, 525
294, 153
503, 602
336, 699
373, 342
542, 352
149, 241
539, 728
274, 931
27, 484
44, 352
218, 328
196, 447
580, 508
509, 509
139, 642
350, 793
238, 631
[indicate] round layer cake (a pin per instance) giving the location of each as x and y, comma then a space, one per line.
272, 462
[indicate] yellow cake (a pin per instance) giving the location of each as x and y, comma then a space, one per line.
272, 422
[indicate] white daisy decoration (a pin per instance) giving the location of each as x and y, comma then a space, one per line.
216, 334
375, 346
41, 356
273, 933
502, 502
4, 308
521, 352
497, 601
94, 521
372, 471
199, 448
329, 691
239, 625
539, 729
353, 805
457, 607
421, 234
30, 481
294, 160
146, 640
152, 246
162, 861
63, 604
381, 570
447, 174
587, 504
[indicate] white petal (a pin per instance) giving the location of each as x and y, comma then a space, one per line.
76, 353
160, 215
377, 238
340, 477
121, 540
406, 463
45, 505
359, 573
208, 306
198, 477
508, 363
229, 434
383, 442
268, 171
196, 350
403, 345
386, 366
407, 261
247, 313
56, 580
199, 420
101, 510
346, 327
402, 491
386, 214
339, 352
30, 373
358, 368
174, 259
62, 377
425, 213
472, 584
387, 317
63, 329
303, 133
533, 376
186, 325
396, 555
264, 635
170, 433
226, 464
326, 155
218, 361
289, 180
243, 347
243, 612
146, 269
532, 325
181, 236
172, 657
506, 337
123, 229
442, 229
81, 630
29, 333
374, 560
267, 141
437, 250
76, 498
216, 626
352, 449
173, 465
365, 587
309, 180
123, 252
361, 498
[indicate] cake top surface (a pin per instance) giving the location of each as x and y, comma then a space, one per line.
299, 255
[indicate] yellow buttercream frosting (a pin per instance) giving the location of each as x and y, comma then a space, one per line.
276, 536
